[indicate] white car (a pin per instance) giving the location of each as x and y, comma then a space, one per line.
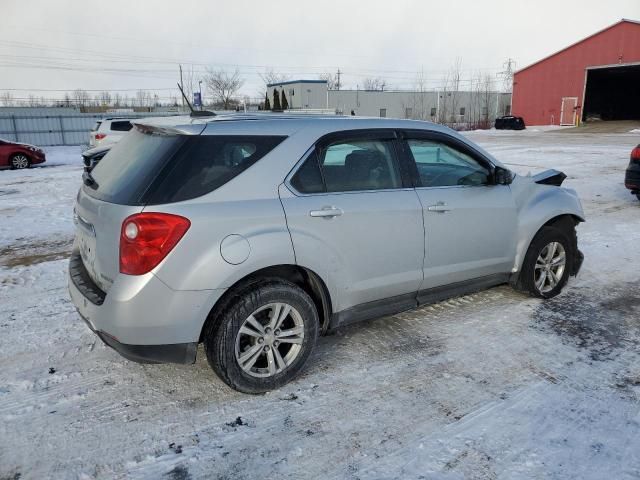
109, 131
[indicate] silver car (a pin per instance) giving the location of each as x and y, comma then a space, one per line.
255, 234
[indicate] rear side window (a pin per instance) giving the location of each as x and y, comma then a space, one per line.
149, 169
205, 163
96, 127
121, 126
350, 165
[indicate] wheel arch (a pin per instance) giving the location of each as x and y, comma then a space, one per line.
563, 220
303, 277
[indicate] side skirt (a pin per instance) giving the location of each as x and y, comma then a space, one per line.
402, 303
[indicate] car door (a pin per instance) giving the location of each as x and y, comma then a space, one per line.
470, 221
356, 222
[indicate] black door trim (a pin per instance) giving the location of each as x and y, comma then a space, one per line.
410, 301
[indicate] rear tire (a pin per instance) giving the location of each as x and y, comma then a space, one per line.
20, 161
547, 264
263, 337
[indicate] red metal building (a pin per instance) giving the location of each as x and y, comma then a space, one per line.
595, 77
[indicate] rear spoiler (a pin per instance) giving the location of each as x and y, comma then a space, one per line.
158, 128
550, 177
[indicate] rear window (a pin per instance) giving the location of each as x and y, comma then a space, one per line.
96, 127
121, 126
150, 169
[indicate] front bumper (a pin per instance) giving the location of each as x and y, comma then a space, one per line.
140, 317
632, 177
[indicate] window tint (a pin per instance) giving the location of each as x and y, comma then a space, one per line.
308, 178
440, 165
359, 165
152, 169
121, 126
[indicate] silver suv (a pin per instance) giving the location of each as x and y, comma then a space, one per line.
255, 234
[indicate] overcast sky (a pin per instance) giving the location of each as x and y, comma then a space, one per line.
116, 44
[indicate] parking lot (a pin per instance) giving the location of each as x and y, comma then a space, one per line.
490, 385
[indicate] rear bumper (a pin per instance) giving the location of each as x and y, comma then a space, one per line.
140, 317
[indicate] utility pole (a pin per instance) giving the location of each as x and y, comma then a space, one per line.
181, 85
507, 74
338, 79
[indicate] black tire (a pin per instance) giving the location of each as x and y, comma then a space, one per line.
222, 332
527, 278
638, 195
17, 161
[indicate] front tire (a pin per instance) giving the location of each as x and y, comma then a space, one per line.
20, 161
547, 264
263, 338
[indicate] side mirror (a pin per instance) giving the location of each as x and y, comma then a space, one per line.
502, 176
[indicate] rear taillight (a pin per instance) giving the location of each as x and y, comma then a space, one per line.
147, 238
100, 136
635, 154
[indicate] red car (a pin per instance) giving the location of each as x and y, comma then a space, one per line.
19, 155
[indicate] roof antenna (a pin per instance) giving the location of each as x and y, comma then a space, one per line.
195, 113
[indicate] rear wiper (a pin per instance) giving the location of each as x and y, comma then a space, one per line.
89, 181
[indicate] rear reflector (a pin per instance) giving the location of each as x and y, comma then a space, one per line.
147, 238
635, 154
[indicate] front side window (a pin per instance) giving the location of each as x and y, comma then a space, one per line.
440, 165
349, 165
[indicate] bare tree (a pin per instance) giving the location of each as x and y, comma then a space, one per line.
270, 76
105, 98
80, 98
332, 80
223, 86
374, 83
7, 99
418, 100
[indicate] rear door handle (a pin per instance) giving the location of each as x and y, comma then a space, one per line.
439, 207
326, 212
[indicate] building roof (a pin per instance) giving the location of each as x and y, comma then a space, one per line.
291, 82
624, 20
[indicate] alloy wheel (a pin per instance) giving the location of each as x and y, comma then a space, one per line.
550, 267
269, 340
20, 161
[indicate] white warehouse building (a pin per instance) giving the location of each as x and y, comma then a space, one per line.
439, 106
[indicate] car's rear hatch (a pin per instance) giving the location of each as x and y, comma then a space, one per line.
151, 167
114, 190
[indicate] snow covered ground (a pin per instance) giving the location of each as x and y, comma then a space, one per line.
491, 385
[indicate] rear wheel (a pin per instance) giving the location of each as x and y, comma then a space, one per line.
20, 161
264, 337
547, 264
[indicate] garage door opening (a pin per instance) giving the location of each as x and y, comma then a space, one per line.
612, 93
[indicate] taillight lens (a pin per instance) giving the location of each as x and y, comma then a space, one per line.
100, 136
635, 154
147, 238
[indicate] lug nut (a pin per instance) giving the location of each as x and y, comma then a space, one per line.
266, 348
277, 332
267, 330
276, 343
261, 340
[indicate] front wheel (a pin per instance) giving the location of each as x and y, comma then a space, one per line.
20, 161
263, 339
547, 264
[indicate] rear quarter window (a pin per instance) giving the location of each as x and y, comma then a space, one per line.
151, 169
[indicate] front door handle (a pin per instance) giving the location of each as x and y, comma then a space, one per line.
326, 212
439, 207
